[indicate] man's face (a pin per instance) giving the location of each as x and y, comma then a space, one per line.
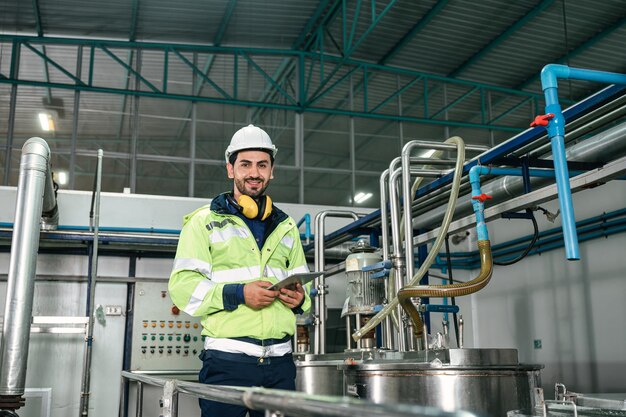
251, 173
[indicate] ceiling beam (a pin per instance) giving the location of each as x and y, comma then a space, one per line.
206, 70
408, 37
37, 13
132, 36
502, 37
579, 49
314, 28
306, 33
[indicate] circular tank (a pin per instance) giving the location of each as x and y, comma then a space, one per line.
488, 382
319, 374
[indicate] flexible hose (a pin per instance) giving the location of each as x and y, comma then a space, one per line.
528, 248
452, 290
443, 231
392, 275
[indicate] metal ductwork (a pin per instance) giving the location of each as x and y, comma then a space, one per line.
35, 195
605, 146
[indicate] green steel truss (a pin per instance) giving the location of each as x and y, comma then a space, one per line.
318, 82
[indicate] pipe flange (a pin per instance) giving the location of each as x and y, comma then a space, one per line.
11, 402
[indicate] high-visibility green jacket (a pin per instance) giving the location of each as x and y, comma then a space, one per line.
216, 248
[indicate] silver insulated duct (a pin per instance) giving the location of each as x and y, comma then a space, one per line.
35, 195
604, 146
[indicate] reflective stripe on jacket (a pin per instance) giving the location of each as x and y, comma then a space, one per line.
217, 248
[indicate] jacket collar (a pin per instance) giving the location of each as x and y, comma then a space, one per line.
220, 205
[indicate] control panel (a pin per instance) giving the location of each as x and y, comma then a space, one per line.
164, 338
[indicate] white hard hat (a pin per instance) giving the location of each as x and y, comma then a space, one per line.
250, 137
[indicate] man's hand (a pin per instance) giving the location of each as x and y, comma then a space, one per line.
292, 298
257, 296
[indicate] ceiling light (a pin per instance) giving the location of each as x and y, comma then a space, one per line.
46, 121
62, 177
361, 197
428, 154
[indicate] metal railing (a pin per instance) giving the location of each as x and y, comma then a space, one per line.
276, 403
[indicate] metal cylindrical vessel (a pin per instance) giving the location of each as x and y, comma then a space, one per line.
34, 170
484, 381
319, 374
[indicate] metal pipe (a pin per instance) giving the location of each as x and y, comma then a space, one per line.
320, 282
139, 403
398, 261
384, 225
296, 403
408, 198
33, 189
607, 145
86, 378
456, 181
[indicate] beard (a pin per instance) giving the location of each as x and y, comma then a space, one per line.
255, 191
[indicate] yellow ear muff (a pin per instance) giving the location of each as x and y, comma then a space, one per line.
248, 206
265, 207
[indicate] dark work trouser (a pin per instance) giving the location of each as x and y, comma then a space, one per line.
222, 368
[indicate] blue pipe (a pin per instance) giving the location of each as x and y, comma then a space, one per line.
556, 133
307, 225
110, 229
479, 207
547, 242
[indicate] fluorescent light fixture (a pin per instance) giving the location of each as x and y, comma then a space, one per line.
361, 197
62, 177
428, 154
46, 121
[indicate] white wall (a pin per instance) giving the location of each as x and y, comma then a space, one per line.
575, 308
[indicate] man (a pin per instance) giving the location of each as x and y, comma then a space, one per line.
228, 255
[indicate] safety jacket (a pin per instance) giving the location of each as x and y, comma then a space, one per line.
216, 248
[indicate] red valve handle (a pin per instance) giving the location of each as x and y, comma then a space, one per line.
542, 120
482, 198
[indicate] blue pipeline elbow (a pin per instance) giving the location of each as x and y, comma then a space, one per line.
551, 72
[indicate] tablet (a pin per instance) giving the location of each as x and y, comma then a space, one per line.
291, 280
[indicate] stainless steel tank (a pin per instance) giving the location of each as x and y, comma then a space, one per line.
488, 382
319, 374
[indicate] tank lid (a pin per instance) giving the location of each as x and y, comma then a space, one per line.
362, 247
